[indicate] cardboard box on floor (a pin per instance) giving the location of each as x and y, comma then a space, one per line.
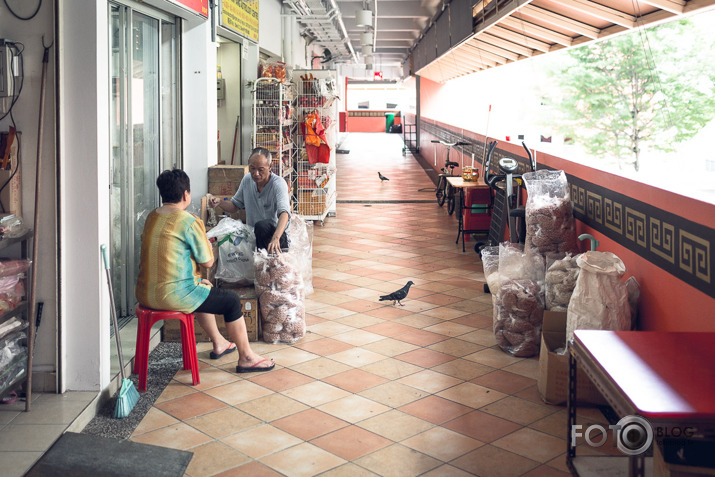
225, 179
553, 382
249, 303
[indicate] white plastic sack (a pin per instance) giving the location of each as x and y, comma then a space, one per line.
235, 251
561, 276
301, 247
600, 298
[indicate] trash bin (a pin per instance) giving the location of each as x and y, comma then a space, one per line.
389, 121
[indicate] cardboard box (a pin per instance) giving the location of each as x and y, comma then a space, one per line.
11, 195
249, 303
225, 179
553, 382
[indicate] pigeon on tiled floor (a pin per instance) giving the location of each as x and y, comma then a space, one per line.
382, 178
400, 294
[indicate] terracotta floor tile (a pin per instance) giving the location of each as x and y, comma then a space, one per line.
329, 328
260, 441
395, 425
359, 320
450, 312
355, 380
398, 460
418, 321
430, 381
214, 457
425, 358
455, 347
153, 420
476, 320
174, 390
389, 347
357, 357
315, 393
420, 337
358, 337
447, 470
361, 306
521, 443
471, 395
353, 408
223, 422
391, 368
494, 462
177, 436
238, 392
481, 426
442, 444
546, 471
324, 346
495, 358
320, 368
393, 394
280, 379
272, 407
441, 299
435, 409
212, 377
348, 470
351, 442
462, 369
309, 424
289, 356
253, 468
388, 328
519, 410
504, 381
191, 405
388, 313
303, 460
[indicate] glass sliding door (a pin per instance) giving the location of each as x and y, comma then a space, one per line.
144, 132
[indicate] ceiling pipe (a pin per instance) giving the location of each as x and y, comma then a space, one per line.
374, 25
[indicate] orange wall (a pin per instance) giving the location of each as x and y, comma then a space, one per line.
666, 302
368, 124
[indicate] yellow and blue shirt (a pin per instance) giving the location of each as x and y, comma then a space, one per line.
173, 245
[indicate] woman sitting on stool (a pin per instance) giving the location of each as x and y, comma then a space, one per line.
174, 246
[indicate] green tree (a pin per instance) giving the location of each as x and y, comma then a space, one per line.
650, 88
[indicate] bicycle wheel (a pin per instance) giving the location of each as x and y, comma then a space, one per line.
440, 191
450, 202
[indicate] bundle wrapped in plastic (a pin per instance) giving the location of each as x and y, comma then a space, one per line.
301, 247
549, 214
490, 264
274, 69
12, 292
236, 242
600, 298
561, 275
519, 303
279, 286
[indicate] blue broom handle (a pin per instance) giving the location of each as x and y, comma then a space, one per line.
114, 312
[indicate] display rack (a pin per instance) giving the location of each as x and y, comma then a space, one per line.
273, 124
17, 331
315, 183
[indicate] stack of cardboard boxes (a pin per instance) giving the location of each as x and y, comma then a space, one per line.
223, 183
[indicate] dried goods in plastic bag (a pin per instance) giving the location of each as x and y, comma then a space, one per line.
236, 243
561, 276
549, 213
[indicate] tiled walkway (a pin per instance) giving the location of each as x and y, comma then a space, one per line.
374, 389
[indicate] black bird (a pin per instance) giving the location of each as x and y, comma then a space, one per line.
382, 178
400, 294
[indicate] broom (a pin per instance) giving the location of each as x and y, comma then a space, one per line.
128, 394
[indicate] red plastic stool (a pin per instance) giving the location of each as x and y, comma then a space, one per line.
147, 318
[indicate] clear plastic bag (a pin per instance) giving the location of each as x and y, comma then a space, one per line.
490, 264
561, 276
549, 213
301, 247
236, 244
279, 286
600, 298
519, 303
274, 69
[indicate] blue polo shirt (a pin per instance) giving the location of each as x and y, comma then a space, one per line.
270, 203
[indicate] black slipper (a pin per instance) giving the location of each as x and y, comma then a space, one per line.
254, 369
228, 350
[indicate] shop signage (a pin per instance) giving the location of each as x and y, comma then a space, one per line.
378, 75
241, 17
199, 6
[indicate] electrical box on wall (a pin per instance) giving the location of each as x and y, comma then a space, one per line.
7, 70
220, 88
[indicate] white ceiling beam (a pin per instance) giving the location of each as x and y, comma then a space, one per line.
561, 21
519, 38
510, 55
673, 6
505, 44
537, 31
600, 11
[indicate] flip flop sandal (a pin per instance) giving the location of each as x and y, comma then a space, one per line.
228, 350
10, 398
254, 369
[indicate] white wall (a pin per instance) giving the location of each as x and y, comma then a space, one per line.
84, 192
270, 27
229, 57
26, 114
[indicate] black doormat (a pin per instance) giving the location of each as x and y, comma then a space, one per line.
80, 455
164, 361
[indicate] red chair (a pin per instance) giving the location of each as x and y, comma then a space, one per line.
147, 318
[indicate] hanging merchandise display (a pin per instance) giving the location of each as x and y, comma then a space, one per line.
316, 143
273, 127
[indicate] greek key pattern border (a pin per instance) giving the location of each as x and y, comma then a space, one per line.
679, 246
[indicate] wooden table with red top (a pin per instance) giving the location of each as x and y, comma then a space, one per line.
668, 378
459, 183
